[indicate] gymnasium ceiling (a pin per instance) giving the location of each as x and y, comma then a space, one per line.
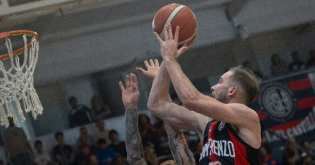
55, 20
41, 15
50, 17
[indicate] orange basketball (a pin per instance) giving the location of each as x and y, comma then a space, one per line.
177, 15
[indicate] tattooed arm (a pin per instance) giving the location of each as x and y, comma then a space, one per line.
135, 153
178, 146
130, 97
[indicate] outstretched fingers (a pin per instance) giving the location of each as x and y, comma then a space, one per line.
165, 30
146, 63
134, 79
127, 81
158, 37
122, 88
156, 61
176, 34
169, 32
152, 63
183, 49
140, 69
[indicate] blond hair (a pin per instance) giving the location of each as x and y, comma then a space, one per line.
247, 80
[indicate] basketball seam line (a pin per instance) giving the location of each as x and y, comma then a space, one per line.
173, 14
186, 23
190, 38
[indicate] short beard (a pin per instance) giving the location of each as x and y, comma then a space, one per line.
222, 98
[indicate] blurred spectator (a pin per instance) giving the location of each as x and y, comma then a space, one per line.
84, 137
93, 160
297, 64
118, 146
119, 160
306, 159
79, 114
248, 65
159, 126
290, 154
306, 148
311, 61
163, 148
266, 158
149, 156
82, 157
198, 152
264, 139
148, 131
102, 133
62, 152
41, 157
103, 153
1, 162
166, 160
17, 149
99, 109
278, 67
191, 144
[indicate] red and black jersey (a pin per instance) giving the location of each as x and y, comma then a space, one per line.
222, 146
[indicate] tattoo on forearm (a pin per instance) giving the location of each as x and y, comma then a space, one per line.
134, 147
181, 152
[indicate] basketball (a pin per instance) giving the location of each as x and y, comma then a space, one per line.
177, 15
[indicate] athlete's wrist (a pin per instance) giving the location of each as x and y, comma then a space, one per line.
131, 108
169, 59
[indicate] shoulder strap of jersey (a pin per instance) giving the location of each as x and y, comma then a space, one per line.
206, 133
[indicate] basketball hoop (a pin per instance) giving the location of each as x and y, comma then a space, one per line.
17, 91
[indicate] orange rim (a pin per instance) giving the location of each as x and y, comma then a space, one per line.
17, 32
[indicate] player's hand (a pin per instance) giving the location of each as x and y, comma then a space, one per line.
152, 66
130, 94
169, 46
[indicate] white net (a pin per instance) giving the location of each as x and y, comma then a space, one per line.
17, 91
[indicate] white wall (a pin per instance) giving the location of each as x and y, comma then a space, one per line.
81, 88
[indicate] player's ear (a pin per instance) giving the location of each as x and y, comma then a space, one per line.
232, 90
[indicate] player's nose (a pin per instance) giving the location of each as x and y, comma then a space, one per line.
212, 88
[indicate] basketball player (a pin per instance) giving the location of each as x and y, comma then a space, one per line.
130, 96
231, 130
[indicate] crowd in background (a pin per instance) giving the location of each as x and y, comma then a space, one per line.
293, 153
280, 67
104, 147
81, 115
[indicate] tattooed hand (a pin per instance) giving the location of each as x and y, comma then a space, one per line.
130, 97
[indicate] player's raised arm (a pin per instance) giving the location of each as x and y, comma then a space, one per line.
161, 105
130, 97
176, 139
178, 146
231, 97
